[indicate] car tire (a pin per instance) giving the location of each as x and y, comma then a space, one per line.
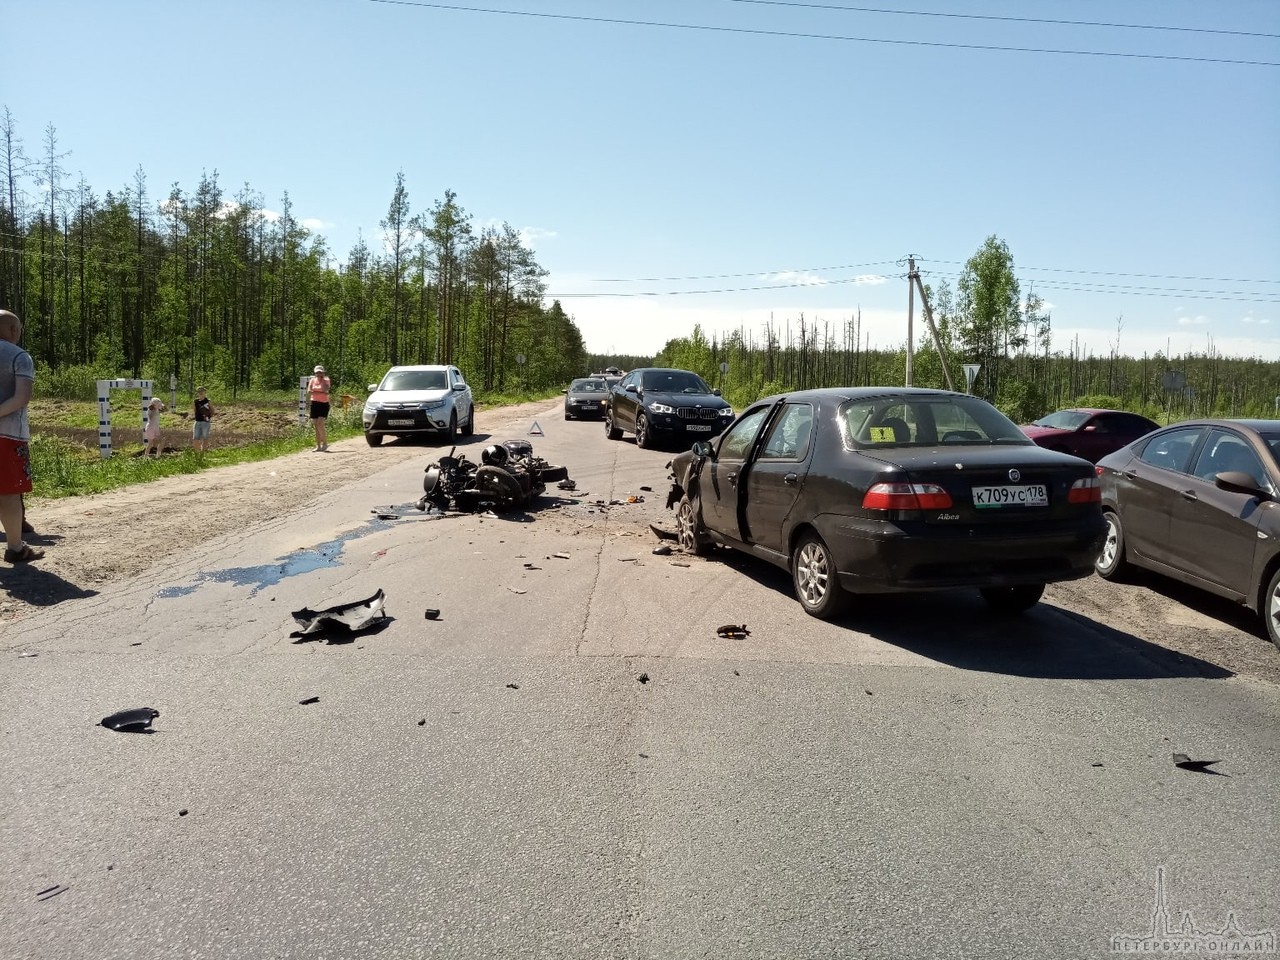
816, 581
1111, 563
689, 532
1015, 599
644, 436
566, 415
470, 427
373, 439
553, 474
453, 426
610, 431
1269, 608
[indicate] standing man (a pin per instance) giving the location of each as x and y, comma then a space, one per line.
318, 396
17, 377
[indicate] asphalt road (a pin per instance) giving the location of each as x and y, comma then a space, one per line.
570, 763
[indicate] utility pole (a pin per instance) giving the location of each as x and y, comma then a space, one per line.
911, 309
913, 282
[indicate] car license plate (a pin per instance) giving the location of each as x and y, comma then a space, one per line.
1025, 495
699, 427
399, 423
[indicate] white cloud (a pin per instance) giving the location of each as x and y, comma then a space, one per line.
793, 278
314, 224
1197, 321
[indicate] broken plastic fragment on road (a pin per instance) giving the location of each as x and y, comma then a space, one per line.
136, 720
308, 701
662, 550
731, 631
1184, 762
663, 534
350, 618
48, 893
433, 613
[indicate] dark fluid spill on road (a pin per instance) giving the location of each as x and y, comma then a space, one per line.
265, 575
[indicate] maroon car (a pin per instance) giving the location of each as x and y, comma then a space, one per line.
1199, 501
1088, 433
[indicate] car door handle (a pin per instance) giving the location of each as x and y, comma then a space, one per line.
1131, 474
790, 478
1189, 495
732, 478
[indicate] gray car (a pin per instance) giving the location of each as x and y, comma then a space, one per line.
586, 398
1199, 501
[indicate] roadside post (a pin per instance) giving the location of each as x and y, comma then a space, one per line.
724, 368
520, 359
173, 391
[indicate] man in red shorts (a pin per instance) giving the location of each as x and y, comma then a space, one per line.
17, 377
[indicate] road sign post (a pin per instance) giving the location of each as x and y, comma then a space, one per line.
970, 375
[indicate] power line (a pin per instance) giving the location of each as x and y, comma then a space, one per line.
1142, 276
980, 16
750, 273
822, 36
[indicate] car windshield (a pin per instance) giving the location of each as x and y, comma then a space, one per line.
1063, 420
415, 380
1272, 440
927, 421
674, 381
587, 386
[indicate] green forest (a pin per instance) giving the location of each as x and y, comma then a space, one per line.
205, 285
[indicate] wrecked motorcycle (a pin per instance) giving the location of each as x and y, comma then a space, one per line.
509, 476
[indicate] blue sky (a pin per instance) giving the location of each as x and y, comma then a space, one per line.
665, 174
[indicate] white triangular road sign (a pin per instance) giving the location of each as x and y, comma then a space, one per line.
535, 430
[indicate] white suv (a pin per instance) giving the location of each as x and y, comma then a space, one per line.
419, 401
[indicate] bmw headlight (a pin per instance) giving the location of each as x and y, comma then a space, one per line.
661, 408
727, 412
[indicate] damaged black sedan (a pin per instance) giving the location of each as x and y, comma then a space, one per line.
865, 490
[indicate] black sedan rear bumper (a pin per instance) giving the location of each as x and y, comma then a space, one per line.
880, 556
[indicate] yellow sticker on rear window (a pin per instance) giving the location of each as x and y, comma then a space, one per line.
882, 435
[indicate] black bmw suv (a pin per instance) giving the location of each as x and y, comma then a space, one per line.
658, 404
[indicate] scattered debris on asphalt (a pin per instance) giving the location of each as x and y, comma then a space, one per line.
867, 692
644, 756
679, 564
50, 892
647, 489
388, 516
137, 720
530, 566
732, 631
136, 643
663, 534
433, 613
567, 485
1196, 766
662, 550
560, 556
627, 559
183, 812
513, 686
736, 673
28, 653
517, 591
1095, 764
422, 722
346, 617
309, 700
643, 678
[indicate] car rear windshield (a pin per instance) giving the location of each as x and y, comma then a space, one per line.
1063, 420
927, 421
674, 381
587, 386
416, 380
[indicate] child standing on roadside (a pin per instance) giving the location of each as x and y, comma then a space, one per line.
203, 423
151, 433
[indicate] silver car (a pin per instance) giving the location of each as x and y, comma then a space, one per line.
419, 401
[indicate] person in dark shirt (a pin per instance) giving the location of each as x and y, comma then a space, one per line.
203, 423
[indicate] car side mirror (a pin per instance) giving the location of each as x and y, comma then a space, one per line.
565, 392
373, 387
1239, 482
459, 387
1091, 428
631, 388
715, 392
702, 448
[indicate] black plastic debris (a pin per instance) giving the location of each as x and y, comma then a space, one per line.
867, 692
643, 678
663, 534
513, 686
732, 631
567, 485
137, 720
628, 559
309, 700
344, 618
662, 550
136, 643
48, 893
736, 673
647, 489
530, 566
679, 564
433, 613
1095, 764
559, 556
183, 812
422, 722
388, 516
1196, 766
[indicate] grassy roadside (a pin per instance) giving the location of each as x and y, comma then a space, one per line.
64, 453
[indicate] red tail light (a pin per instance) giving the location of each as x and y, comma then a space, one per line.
906, 496
1088, 490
